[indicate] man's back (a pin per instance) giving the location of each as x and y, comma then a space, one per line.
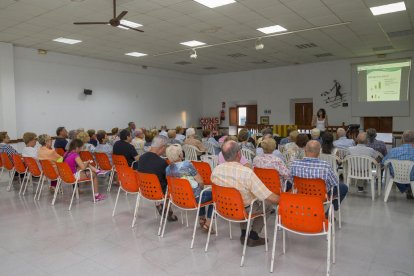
126, 149
362, 149
60, 143
150, 162
344, 142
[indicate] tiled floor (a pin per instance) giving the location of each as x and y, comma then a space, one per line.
39, 239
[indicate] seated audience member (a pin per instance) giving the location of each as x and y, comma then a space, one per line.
287, 139
268, 160
151, 162
292, 138
124, 147
30, 140
298, 152
4, 145
209, 139
233, 174
45, 152
172, 134
192, 141
327, 144
312, 167
114, 136
92, 137
139, 142
180, 134
244, 140
103, 145
316, 135
403, 152
243, 160
71, 135
163, 131
181, 168
84, 137
77, 166
277, 153
131, 128
342, 141
60, 141
149, 136
377, 145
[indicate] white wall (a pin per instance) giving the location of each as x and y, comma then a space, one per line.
274, 88
49, 93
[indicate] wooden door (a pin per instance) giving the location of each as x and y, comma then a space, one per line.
233, 116
381, 124
303, 114
251, 115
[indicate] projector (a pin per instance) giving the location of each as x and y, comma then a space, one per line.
259, 46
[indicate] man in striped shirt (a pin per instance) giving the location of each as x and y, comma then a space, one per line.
312, 167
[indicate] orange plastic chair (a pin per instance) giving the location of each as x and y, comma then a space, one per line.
49, 172
228, 204
310, 186
269, 177
304, 215
34, 171
204, 169
66, 175
8, 165
20, 168
104, 164
60, 151
129, 183
87, 156
150, 189
182, 196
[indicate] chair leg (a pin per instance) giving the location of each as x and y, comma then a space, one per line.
111, 179
213, 217
274, 244
165, 220
73, 195
373, 189
339, 209
22, 182
1, 173
388, 188
93, 192
231, 237
56, 191
265, 228
11, 179
215, 226
186, 217
333, 238
116, 201
163, 213
284, 241
328, 258
38, 186
136, 210
29, 177
245, 240
195, 228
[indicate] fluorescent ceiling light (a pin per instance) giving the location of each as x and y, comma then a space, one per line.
67, 40
129, 24
390, 8
135, 54
193, 43
272, 29
215, 3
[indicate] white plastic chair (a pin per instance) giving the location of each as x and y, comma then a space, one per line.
342, 153
210, 148
248, 154
402, 173
190, 152
363, 168
212, 160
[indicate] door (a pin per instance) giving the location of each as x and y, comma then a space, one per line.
381, 124
303, 114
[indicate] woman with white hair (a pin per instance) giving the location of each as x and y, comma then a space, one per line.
180, 168
192, 141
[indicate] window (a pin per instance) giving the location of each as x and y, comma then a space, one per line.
242, 111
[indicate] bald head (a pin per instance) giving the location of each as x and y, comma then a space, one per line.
312, 149
362, 138
231, 150
340, 132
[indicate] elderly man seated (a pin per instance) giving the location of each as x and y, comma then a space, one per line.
138, 141
312, 167
235, 175
342, 141
377, 145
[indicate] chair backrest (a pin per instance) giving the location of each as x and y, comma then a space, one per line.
310, 186
181, 193
269, 177
281, 148
18, 163
210, 148
190, 152
248, 154
331, 159
128, 179
32, 166
228, 203
342, 153
49, 170
301, 213
65, 173
212, 160
7, 163
150, 186
359, 166
60, 151
402, 170
119, 160
204, 170
87, 156
103, 161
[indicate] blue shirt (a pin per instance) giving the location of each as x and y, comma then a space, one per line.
404, 152
344, 142
186, 170
8, 149
60, 143
315, 168
284, 141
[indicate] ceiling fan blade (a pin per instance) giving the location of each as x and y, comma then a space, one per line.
114, 3
121, 15
125, 26
90, 23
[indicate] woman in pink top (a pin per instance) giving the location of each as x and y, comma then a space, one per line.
77, 166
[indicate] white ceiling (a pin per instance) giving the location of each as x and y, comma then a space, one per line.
34, 23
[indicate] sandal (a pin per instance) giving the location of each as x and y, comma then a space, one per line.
202, 221
206, 228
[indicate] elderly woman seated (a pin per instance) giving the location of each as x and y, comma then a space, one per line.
207, 137
30, 139
46, 152
277, 153
149, 136
172, 137
192, 141
185, 169
84, 137
138, 141
244, 140
297, 151
103, 145
114, 136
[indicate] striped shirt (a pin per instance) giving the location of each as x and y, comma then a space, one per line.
270, 161
7, 149
235, 175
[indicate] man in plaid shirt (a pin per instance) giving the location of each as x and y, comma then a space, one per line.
403, 152
312, 167
4, 146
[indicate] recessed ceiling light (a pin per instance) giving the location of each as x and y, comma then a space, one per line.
390, 8
135, 54
67, 40
272, 29
215, 3
193, 43
129, 24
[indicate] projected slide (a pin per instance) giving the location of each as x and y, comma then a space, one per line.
383, 84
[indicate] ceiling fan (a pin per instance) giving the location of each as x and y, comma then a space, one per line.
114, 22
